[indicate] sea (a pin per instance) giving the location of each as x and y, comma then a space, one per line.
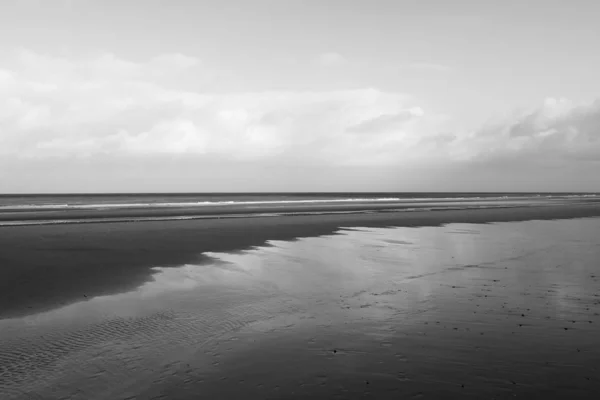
33, 209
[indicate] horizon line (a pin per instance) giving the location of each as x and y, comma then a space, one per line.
284, 192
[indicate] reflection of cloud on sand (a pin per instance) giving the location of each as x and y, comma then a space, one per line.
191, 276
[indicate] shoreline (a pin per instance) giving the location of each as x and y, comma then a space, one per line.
48, 266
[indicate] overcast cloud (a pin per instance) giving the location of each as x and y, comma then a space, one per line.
85, 107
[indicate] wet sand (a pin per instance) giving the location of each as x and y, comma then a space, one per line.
465, 310
44, 267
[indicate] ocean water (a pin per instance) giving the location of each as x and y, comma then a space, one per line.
77, 208
463, 310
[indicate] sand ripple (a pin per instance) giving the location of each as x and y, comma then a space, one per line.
117, 347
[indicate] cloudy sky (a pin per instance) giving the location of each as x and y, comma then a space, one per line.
286, 95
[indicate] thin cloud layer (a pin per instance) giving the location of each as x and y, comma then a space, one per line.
103, 105
331, 59
427, 66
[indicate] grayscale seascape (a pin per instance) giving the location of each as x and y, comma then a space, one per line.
299, 199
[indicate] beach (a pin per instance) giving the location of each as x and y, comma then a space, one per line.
470, 303
289, 200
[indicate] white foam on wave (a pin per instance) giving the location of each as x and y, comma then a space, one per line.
192, 203
41, 207
449, 204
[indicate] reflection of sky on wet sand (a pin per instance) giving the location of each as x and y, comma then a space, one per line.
389, 276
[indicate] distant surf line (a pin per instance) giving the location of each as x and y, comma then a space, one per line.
230, 203
241, 216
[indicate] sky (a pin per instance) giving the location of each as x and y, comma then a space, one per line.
290, 95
